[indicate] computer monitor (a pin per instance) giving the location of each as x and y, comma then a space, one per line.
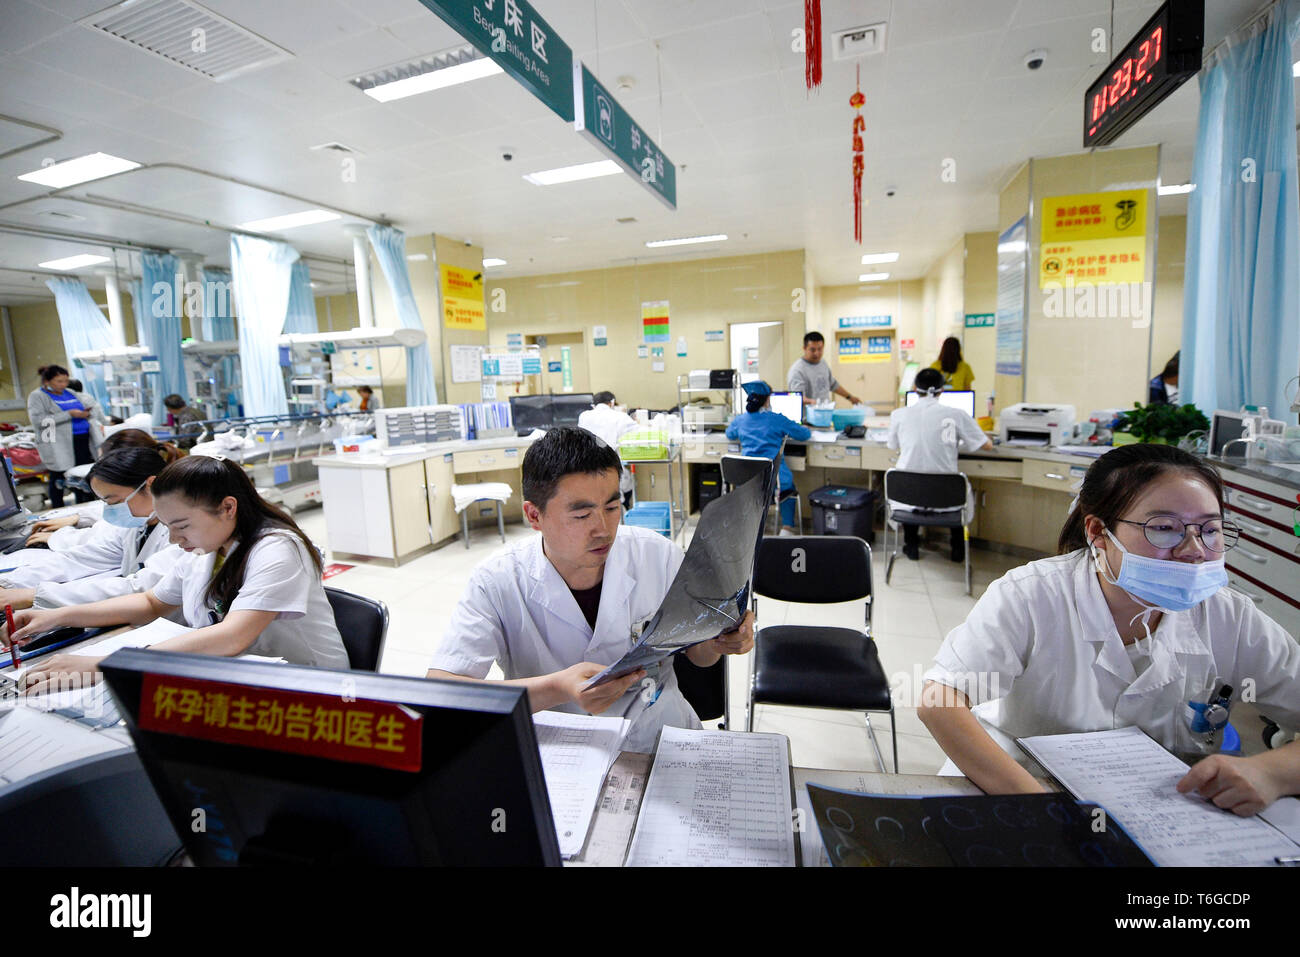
964, 400
9, 504
260, 763
529, 412
788, 404
1226, 427
569, 405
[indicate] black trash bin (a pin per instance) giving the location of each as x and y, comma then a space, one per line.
844, 510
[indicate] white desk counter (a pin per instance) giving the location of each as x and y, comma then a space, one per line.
1022, 493
396, 506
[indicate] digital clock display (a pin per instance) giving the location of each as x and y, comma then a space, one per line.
1163, 55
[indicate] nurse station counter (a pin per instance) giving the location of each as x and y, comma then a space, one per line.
398, 505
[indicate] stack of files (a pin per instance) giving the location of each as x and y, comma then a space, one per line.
577, 751
717, 798
1133, 778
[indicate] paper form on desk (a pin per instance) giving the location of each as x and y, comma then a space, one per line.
1133, 778
576, 750
160, 629
716, 798
823, 435
33, 741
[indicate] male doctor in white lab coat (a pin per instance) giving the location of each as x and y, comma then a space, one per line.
610, 424
555, 610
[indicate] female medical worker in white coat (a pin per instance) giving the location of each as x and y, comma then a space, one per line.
113, 561
254, 588
1129, 625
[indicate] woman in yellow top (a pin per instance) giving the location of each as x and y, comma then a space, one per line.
957, 374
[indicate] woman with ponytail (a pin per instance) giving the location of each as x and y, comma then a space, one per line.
1129, 625
253, 586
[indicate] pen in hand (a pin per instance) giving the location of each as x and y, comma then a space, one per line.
13, 646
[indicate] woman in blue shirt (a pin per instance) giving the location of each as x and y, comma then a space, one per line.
760, 432
61, 419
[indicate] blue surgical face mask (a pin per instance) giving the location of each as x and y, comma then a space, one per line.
121, 515
1161, 583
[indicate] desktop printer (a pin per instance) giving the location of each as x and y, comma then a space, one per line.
1036, 424
704, 416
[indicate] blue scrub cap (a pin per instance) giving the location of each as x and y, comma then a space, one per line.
757, 388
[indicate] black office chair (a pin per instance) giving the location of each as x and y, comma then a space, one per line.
922, 493
814, 666
705, 689
363, 625
738, 469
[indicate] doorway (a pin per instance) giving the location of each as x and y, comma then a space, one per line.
758, 352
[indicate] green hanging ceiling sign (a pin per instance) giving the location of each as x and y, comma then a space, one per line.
514, 35
600, 118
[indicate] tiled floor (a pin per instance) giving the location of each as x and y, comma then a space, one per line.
911, 616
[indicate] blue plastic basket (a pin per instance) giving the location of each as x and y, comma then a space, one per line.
655, 515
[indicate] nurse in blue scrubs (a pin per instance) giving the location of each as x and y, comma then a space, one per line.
760, 431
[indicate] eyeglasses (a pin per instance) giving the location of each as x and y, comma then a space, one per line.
1165, 532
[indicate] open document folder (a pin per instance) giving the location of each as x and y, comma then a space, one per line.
711, 589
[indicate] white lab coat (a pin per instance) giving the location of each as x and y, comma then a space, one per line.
1040, 654
279, 577
518, 612
140, 571
609, 425
928, 437
106, 551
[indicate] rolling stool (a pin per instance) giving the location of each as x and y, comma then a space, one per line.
466, 495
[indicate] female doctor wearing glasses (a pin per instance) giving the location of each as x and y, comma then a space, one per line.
1129, 625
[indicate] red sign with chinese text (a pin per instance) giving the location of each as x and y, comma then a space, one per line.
317, 725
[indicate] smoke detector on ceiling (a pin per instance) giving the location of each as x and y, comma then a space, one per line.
858, 41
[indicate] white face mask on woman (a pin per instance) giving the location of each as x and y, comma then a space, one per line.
1159, 583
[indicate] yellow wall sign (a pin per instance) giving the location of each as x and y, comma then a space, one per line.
1095, 238
462, 298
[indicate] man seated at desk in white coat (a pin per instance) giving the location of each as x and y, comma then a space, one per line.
556, 610
928, 436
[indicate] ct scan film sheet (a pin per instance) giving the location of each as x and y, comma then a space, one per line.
711, 589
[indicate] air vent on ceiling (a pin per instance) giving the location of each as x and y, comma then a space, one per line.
188, 35
456, 56
334, 147
858, 41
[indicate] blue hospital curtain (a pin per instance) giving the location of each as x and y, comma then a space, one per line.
218, 306
219, 326
390, 250
84, 329
301, 316
261, 270
1241, 311
161, 279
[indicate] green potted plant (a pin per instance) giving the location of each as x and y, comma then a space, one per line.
1159, 422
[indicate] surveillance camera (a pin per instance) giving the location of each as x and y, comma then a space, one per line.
507, 153
891, 190
507, 156
469, 242
1034, 59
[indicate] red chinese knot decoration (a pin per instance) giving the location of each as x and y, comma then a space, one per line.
859, 127
812, 43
